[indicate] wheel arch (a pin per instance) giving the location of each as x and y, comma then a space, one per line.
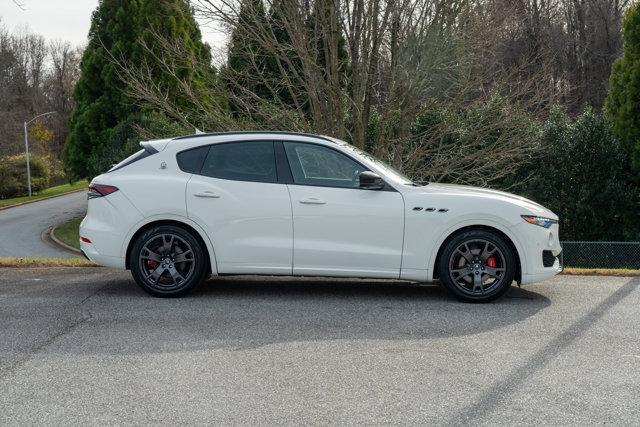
510, 240
184, 223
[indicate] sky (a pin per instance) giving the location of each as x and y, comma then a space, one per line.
66, 19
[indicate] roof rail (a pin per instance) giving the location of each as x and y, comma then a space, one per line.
251, 132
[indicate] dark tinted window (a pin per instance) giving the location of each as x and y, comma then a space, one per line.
313, 164
242, 161
191, 160
132, 159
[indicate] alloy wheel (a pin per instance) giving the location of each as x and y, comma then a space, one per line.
477, 267
166, 261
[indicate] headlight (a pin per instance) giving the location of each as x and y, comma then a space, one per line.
539, 220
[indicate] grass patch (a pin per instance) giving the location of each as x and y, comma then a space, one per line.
23, 262
49, 192
621, 272
69, 232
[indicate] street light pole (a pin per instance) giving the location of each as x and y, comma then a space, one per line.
26, 146
26, 152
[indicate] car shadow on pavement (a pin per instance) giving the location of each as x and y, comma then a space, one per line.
243, 313
513, 381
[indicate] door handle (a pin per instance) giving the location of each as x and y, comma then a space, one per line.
312, 201
209, 194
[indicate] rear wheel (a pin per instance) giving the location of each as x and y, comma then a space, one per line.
477, 266
168, 261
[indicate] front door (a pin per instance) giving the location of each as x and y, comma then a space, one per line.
247, 214
340, 229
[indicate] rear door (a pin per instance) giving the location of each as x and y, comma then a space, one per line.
247, 214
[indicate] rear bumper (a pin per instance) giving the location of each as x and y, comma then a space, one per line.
89, 251
108, 220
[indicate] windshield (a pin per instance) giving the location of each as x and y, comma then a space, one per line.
388, 170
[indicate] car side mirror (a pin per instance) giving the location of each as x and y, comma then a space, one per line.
371, 181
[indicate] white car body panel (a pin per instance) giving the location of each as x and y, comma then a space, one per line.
262, 228
352, 232
249, 223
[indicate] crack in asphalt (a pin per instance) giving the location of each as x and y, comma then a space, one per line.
68, 326
12, 367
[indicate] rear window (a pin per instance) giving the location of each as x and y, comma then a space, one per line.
191, 160
242, 161
139, 155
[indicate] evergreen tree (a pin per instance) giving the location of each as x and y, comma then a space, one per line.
117, 29
100, 101
325, 34
622, 105
173, 21
247, 59
286, 94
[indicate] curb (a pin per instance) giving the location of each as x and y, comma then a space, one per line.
41, 199
62, 244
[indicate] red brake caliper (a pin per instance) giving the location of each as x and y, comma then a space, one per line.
152, 264
491, 262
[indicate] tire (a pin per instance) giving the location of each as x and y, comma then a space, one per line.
168, 261
477, 266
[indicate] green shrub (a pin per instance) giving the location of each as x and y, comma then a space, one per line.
13, 174
583, 176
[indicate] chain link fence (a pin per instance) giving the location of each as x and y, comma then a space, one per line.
601, 254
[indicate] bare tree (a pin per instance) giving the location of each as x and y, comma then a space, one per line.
35, 77
370, 71
60, 81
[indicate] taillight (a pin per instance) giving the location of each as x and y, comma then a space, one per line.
100, 190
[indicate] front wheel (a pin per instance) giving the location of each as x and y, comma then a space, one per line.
477, 266
167, 261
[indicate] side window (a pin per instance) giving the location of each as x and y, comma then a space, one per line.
241, 161
313, 164
191, 160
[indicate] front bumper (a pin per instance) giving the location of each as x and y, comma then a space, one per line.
536, 241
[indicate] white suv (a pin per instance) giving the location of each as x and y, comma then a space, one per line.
278, 203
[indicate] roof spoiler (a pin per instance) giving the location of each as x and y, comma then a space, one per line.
155, 145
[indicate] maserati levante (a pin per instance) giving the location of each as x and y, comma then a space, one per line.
281, 203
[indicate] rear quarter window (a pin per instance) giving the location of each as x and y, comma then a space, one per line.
139, 155
191, 160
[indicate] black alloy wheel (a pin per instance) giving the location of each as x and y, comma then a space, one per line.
168, 261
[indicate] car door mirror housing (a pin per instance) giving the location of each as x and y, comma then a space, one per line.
371, 181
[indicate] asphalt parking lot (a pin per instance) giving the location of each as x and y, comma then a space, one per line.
87, 346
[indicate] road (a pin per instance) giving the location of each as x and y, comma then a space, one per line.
22, 227
87, 346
